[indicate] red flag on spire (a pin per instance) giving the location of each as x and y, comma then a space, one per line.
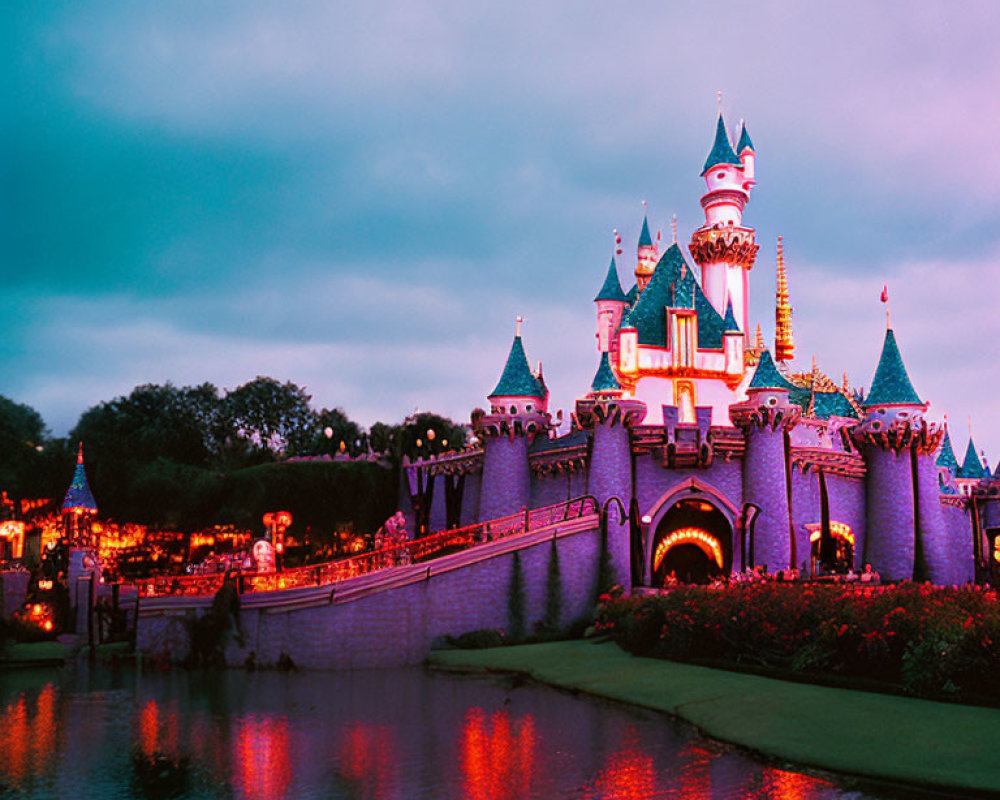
884, 297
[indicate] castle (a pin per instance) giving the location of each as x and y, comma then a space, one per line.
722, 456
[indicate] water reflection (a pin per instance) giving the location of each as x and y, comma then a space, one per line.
391, 735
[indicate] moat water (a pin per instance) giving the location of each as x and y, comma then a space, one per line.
379, 735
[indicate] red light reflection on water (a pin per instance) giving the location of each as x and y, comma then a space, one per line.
261, 769
15, 741
45, 730
695, 780
782, 785
498, 756
629, 774
149, 728
366, 754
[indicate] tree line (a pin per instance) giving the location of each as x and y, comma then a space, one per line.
192, 456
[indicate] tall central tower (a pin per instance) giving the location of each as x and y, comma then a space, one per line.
723, 248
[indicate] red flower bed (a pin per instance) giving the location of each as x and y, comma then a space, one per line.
933, 642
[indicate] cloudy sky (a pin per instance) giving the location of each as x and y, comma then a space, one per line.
360, 197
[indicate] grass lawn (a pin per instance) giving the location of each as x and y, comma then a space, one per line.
29, 653
874, 735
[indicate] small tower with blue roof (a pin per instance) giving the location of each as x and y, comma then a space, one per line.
906, 533
766, 418
518, 413
79, 507
646, 256
611, 304
732, 343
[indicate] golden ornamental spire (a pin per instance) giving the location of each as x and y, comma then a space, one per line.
784, 344
758, 339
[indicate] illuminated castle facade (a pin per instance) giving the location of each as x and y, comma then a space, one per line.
724, 457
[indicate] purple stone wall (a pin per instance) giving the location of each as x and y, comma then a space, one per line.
939, 562
847, 505
805, 510
470, 498
958, 533
889, 502
506, 480
439, 513
610, 475
764, 484
548, 490
396, 626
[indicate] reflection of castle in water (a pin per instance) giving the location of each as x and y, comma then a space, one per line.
267, 736
726, 456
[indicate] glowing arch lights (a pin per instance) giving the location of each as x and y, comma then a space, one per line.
696, 536
839, 530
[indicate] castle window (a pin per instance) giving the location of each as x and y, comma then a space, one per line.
528, 407
720, 176
684, 398
513, 409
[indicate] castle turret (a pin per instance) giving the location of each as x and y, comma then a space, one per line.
79, 507
611, 417
723, 248
906, 535
784, 344
647, 257
766, 417
518, 413
611, 303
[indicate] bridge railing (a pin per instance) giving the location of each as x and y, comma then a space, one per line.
411, 552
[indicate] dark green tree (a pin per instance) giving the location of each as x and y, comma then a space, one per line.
341, 429
273, 417
23, 437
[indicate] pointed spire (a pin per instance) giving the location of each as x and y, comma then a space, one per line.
758, 339
78, 495
729, 323
645, 240
946, 458
612, 288
891, 385
604, 379
971, 467
673, 228
766, 376
517, 380
722, 149
784, 343
745, 143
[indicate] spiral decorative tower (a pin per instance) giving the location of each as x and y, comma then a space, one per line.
764, 418
518, 413
784, 344
906, 532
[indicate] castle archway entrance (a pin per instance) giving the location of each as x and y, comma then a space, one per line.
692, 544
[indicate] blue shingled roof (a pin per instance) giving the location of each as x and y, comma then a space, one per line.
729, 323
542, 444
517, 380
971, 467
673, 285
891, 385
612, 288
830, 404
604, 379
645, 240
79, 495
632, 294
766, 376
946, 458
722, 149
745, 141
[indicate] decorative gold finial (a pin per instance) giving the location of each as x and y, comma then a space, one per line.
784, 343
673, 227
517, 326
758, 341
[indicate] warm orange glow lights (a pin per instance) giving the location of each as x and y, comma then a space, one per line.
696, 536
497, 755
630, 773
13, 531
839, 530
262, 770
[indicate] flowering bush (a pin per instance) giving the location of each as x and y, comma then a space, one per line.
933, 642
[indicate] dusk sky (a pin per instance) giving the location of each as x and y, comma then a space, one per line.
361, 197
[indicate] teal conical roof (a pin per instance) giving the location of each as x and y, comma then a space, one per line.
517, 380
722, 149
632, 294
891, 385
971, 467
946, 458
604, 379
766, 376
729, 323
673, 285
745, 141
645, 240
79, 496
612, 288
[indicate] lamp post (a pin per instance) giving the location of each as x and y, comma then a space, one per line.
276, 523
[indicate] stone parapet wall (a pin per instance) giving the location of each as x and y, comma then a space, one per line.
390, 618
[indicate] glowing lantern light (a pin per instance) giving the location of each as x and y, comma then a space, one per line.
696, 536
431, 434
328, 432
